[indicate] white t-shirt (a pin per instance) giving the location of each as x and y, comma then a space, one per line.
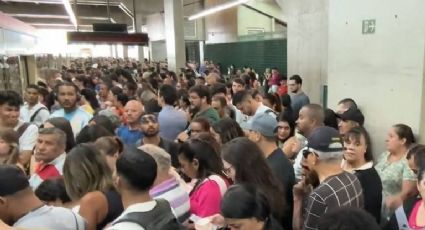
48, 217
28, 139
42, 115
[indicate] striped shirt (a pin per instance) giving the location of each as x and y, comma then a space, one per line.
48, 171
172, 191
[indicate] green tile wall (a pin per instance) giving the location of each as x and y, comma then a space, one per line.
258, 54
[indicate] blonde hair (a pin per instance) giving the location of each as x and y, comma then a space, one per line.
11, 137
162, 158
85, 170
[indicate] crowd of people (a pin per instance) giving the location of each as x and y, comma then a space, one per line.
124, 147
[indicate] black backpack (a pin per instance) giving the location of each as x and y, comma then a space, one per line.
159, 218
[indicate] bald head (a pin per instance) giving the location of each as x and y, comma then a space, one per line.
133, 110
310, 117
315, 112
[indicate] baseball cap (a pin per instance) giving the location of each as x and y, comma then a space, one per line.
326, 140
263, 123
352, 114
12, 180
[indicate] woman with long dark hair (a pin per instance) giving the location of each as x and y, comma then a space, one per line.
200, 161
240, 157
285, 136
225, 130
358, 159
246, 206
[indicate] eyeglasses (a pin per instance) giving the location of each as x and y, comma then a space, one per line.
226, 171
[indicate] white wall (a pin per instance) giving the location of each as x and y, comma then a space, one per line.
222, 26
155, 24
249, 19
308, 43
383, 72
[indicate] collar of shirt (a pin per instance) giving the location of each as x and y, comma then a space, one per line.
58, 159
167, 107
367, 165
40, 166
138, 207
165, 185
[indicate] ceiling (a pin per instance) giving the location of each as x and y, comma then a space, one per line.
51, 14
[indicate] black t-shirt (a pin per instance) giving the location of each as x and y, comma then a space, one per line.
171, 148
283, 170
372, 191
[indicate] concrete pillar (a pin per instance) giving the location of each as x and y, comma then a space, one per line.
174, 33
308, 44
138, 21
201, 52
116, 51
125, 51
383, 70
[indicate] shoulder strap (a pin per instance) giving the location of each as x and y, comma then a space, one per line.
221, 184
21, 130
36, 112
403, 223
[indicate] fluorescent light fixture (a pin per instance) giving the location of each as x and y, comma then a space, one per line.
70, 12
217, 9
125, 10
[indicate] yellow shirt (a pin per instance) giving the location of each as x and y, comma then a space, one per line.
87, 108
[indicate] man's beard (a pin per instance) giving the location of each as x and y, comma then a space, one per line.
150, 134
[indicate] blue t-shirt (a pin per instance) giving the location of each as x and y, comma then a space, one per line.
129, 137
77, 118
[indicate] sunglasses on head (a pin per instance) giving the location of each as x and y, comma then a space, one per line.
148, 118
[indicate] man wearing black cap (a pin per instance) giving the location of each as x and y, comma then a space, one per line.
21, 208
349, 119
337, 188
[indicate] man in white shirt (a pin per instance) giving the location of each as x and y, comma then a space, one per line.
21, 208
249, 103
134, 185
33, 111
68, 96
10, 101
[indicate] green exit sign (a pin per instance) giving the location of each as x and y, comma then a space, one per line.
369, 26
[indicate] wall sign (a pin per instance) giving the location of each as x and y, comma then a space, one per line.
369, 26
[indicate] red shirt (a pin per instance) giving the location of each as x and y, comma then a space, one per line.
282, 90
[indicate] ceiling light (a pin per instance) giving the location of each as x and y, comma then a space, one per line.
70, 12
217, 9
